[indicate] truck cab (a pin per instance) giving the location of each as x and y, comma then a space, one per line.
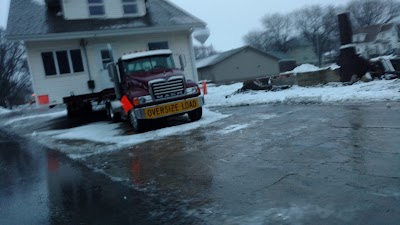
149, 86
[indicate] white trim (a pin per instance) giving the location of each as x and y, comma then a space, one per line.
56, 64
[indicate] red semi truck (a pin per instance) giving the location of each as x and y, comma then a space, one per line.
149, 86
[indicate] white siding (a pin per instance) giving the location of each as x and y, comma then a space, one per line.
58, 86
61, 86
78, 9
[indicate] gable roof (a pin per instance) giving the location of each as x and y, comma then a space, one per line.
215, 59
33, 20
373, 31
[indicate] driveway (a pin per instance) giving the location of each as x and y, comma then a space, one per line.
269, 164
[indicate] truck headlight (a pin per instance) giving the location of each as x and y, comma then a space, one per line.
142, 100
192, 90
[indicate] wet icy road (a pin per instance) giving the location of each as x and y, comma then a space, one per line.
270, 164
39, 186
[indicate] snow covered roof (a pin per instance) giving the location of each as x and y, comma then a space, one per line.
32, 20
214, 59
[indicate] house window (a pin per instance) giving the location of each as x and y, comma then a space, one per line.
49, 63
96, 7
77, 62
62, 62
106, 57
158, 45
130, 7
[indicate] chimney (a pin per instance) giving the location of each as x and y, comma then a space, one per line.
350, 63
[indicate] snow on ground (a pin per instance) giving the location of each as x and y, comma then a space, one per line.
112, 136
3, 110
47, 115
381, 90
305, 68
111, 133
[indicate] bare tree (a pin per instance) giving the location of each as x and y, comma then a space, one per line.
202, 52
276, 33
278, 30
256, 39
318, 25
369, 12
15, 80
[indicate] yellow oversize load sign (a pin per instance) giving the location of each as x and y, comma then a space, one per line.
170, 109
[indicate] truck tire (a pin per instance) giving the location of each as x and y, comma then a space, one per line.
70, 112
196, 114
138, 125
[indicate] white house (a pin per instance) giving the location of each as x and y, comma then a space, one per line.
376, 39
69, 42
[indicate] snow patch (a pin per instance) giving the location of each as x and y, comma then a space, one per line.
382, 90
389, 57
306, 68
110, 133
233, 128
48, 115
4, 111
334, 66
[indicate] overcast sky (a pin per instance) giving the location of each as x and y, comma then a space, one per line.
228, 20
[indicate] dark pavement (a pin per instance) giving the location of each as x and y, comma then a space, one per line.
284, 164
39, 186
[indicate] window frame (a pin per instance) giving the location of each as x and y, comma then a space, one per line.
133, 3
69, 63
96, 4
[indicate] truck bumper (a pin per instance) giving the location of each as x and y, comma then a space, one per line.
170, 108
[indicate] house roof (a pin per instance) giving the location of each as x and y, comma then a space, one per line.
215, 59
373, 31
32, 19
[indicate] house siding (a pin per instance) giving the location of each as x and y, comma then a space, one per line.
61, 86
58, 86
302, 55
78, 9
384, 42
247, 64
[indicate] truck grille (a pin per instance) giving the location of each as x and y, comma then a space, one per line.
168, 89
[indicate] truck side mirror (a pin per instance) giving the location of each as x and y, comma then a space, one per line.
182, 61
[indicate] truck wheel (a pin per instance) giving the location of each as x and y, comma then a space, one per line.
71, 112
196, 114
137, 124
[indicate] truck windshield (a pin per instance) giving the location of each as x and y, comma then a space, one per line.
145, 64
